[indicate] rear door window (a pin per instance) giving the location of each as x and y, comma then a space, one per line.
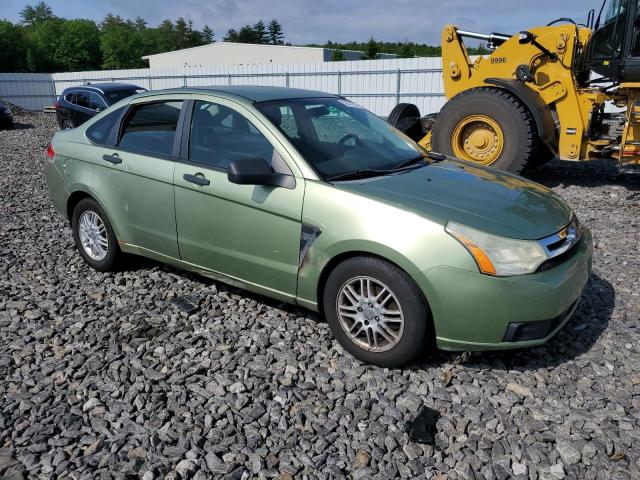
151, 128
82, 99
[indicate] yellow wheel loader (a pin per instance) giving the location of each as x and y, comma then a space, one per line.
540, 93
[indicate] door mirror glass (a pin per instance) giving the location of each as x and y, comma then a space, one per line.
256, 171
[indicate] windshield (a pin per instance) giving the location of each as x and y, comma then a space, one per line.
615, 8
338, 137
114, 96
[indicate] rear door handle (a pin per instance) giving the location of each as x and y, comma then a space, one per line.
197, 179
115, 159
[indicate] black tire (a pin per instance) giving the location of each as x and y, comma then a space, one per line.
542, 155
418, 330
513, 117
406, 118
113, 250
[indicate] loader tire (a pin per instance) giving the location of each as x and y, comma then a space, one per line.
488, 126
406, 118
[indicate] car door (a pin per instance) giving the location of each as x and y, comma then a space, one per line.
135, 176
250, 233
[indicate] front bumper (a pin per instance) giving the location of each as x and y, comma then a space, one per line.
472, 311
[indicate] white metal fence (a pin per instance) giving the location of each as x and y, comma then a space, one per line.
376, 84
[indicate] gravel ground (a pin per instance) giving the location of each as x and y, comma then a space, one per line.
102, 376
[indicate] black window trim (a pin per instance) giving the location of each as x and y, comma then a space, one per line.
111, 137
116, 133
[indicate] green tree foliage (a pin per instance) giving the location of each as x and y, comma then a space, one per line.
32, 15
121, 43
207, 34
78, 46
13, 53
372, 50
275, 33
261, 33
43, 42
337, 55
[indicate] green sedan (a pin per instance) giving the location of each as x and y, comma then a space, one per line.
308, 198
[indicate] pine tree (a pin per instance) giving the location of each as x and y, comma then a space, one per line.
261, 32
275, 34
207, 34
33, 15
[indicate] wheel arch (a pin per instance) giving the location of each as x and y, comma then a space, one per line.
540, 112
337, 259
81, 193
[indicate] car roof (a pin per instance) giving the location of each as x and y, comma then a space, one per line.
253, 93
105, 87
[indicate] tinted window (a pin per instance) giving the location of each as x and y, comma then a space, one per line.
82, 99
96, 102
114, 96
70, 97
100, 130
220, 135
151, 128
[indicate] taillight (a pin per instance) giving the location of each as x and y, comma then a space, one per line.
56, 105
51, 153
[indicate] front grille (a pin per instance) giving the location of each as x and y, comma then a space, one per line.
559, 260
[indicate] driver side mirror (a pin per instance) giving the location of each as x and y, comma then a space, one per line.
256, 171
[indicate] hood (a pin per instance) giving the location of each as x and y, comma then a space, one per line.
489, 200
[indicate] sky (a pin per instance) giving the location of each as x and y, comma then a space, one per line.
316, 21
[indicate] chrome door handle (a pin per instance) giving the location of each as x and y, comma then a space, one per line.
196, 179
115, 159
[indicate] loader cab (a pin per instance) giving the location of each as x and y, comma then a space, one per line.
613, 51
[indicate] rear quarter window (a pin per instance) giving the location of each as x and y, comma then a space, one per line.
100, 131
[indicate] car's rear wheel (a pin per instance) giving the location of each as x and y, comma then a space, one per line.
376, 311
94, 236
67, 124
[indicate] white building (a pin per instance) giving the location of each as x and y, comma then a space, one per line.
228, 53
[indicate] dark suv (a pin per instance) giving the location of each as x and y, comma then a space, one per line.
6, 120
76, 105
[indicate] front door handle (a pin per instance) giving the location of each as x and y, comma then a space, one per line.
115, 159
197, 179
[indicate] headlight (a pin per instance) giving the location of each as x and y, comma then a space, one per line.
499, 255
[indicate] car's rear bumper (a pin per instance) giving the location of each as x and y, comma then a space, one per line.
472, 311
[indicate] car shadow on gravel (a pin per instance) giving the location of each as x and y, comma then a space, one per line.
593, 173
20, 126
577, 337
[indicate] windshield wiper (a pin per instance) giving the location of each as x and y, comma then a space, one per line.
437, 157
360, 173
411, 162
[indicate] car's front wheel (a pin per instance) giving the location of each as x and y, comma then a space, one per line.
376, 311
94, 236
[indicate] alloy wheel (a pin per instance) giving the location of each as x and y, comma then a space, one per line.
370, 314
93, 235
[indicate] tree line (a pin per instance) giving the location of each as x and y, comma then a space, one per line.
43, 42
402, 49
